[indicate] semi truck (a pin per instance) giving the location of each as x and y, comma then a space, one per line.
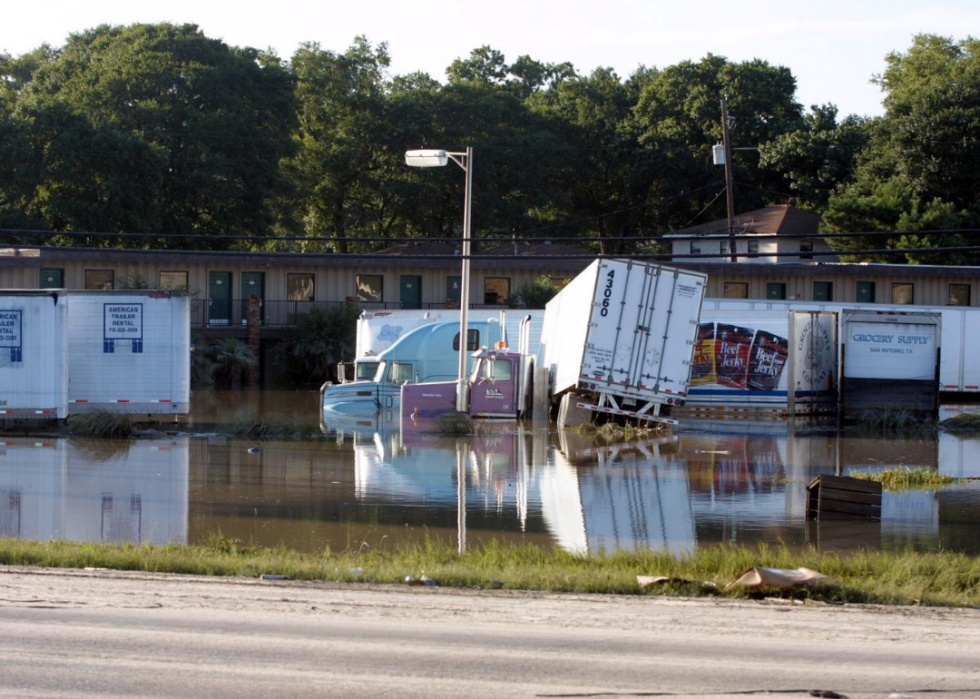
618, 339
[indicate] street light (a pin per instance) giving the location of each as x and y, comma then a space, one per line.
439, 158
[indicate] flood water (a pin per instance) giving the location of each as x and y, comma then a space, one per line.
369, 485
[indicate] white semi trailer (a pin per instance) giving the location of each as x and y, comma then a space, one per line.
620, 339
129, 352
33, 359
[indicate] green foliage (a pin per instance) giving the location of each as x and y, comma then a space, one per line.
456, 425
323, 336
898, 479
222, 361
866, 577
888, 418
917, 172
537, 293
102, 425
152, 128
159, 128
279, 427
962, 423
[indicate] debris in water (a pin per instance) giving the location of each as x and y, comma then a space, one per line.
426, 580
273, 577
254, 450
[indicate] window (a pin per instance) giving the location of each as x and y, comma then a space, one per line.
173, 281
370, 287
400, 372
753, 246
695, 247
823, 291
959, 295
299, 287
497, 369
776, 291
472, 341
806, 249
51, 278
496, 290
903, 293
865, 292
100, 279
736, 290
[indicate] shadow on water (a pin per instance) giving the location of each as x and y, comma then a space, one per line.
368, 484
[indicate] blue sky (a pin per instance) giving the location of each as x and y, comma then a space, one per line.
832, 47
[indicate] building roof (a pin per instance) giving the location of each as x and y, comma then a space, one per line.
778, 219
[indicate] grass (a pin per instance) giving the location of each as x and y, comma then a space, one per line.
898, 479
962, 423
868, 577
101, 425
455, 425
891, 419
613, 432
276, 427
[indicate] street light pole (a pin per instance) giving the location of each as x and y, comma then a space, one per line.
439, 158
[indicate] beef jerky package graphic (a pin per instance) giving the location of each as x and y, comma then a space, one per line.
703, 369
732, 345
766, 361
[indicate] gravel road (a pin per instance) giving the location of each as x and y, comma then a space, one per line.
110, 634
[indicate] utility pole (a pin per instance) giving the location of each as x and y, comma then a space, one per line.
728, 178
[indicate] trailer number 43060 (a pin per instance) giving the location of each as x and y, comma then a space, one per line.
607, 293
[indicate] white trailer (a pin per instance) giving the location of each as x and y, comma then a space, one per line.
779, 360
620, 338
33, 364
129, 352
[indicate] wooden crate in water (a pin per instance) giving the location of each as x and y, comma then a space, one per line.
840, 497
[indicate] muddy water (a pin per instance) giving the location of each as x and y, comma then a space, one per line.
369, 485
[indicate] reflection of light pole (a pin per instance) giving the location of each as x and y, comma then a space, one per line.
439, 158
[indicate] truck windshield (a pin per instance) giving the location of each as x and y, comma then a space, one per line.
365, 371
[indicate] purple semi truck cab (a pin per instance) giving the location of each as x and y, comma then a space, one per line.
493, 387
493, 391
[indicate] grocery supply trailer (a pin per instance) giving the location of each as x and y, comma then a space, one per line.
890, 360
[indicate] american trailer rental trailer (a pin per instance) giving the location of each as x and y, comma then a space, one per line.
619, 338
33, 355
129, 352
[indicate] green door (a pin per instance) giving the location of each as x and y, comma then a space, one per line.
51, 278
410, 291
454, 286
253, 284
219, 298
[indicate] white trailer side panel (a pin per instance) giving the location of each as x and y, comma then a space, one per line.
129, 352
628, 328
33, 359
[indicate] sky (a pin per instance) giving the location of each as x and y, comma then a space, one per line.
832, 47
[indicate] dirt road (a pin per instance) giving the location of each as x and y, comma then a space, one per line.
78, 633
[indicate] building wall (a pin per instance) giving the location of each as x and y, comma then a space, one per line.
330, 283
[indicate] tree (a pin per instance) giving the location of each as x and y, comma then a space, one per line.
343, 146
917, 173
679, 114
817, 158
214, 119
310, 350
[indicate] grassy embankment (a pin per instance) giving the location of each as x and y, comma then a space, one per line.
869, 577
898, 479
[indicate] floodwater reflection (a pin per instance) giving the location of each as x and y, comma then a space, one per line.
367, 484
